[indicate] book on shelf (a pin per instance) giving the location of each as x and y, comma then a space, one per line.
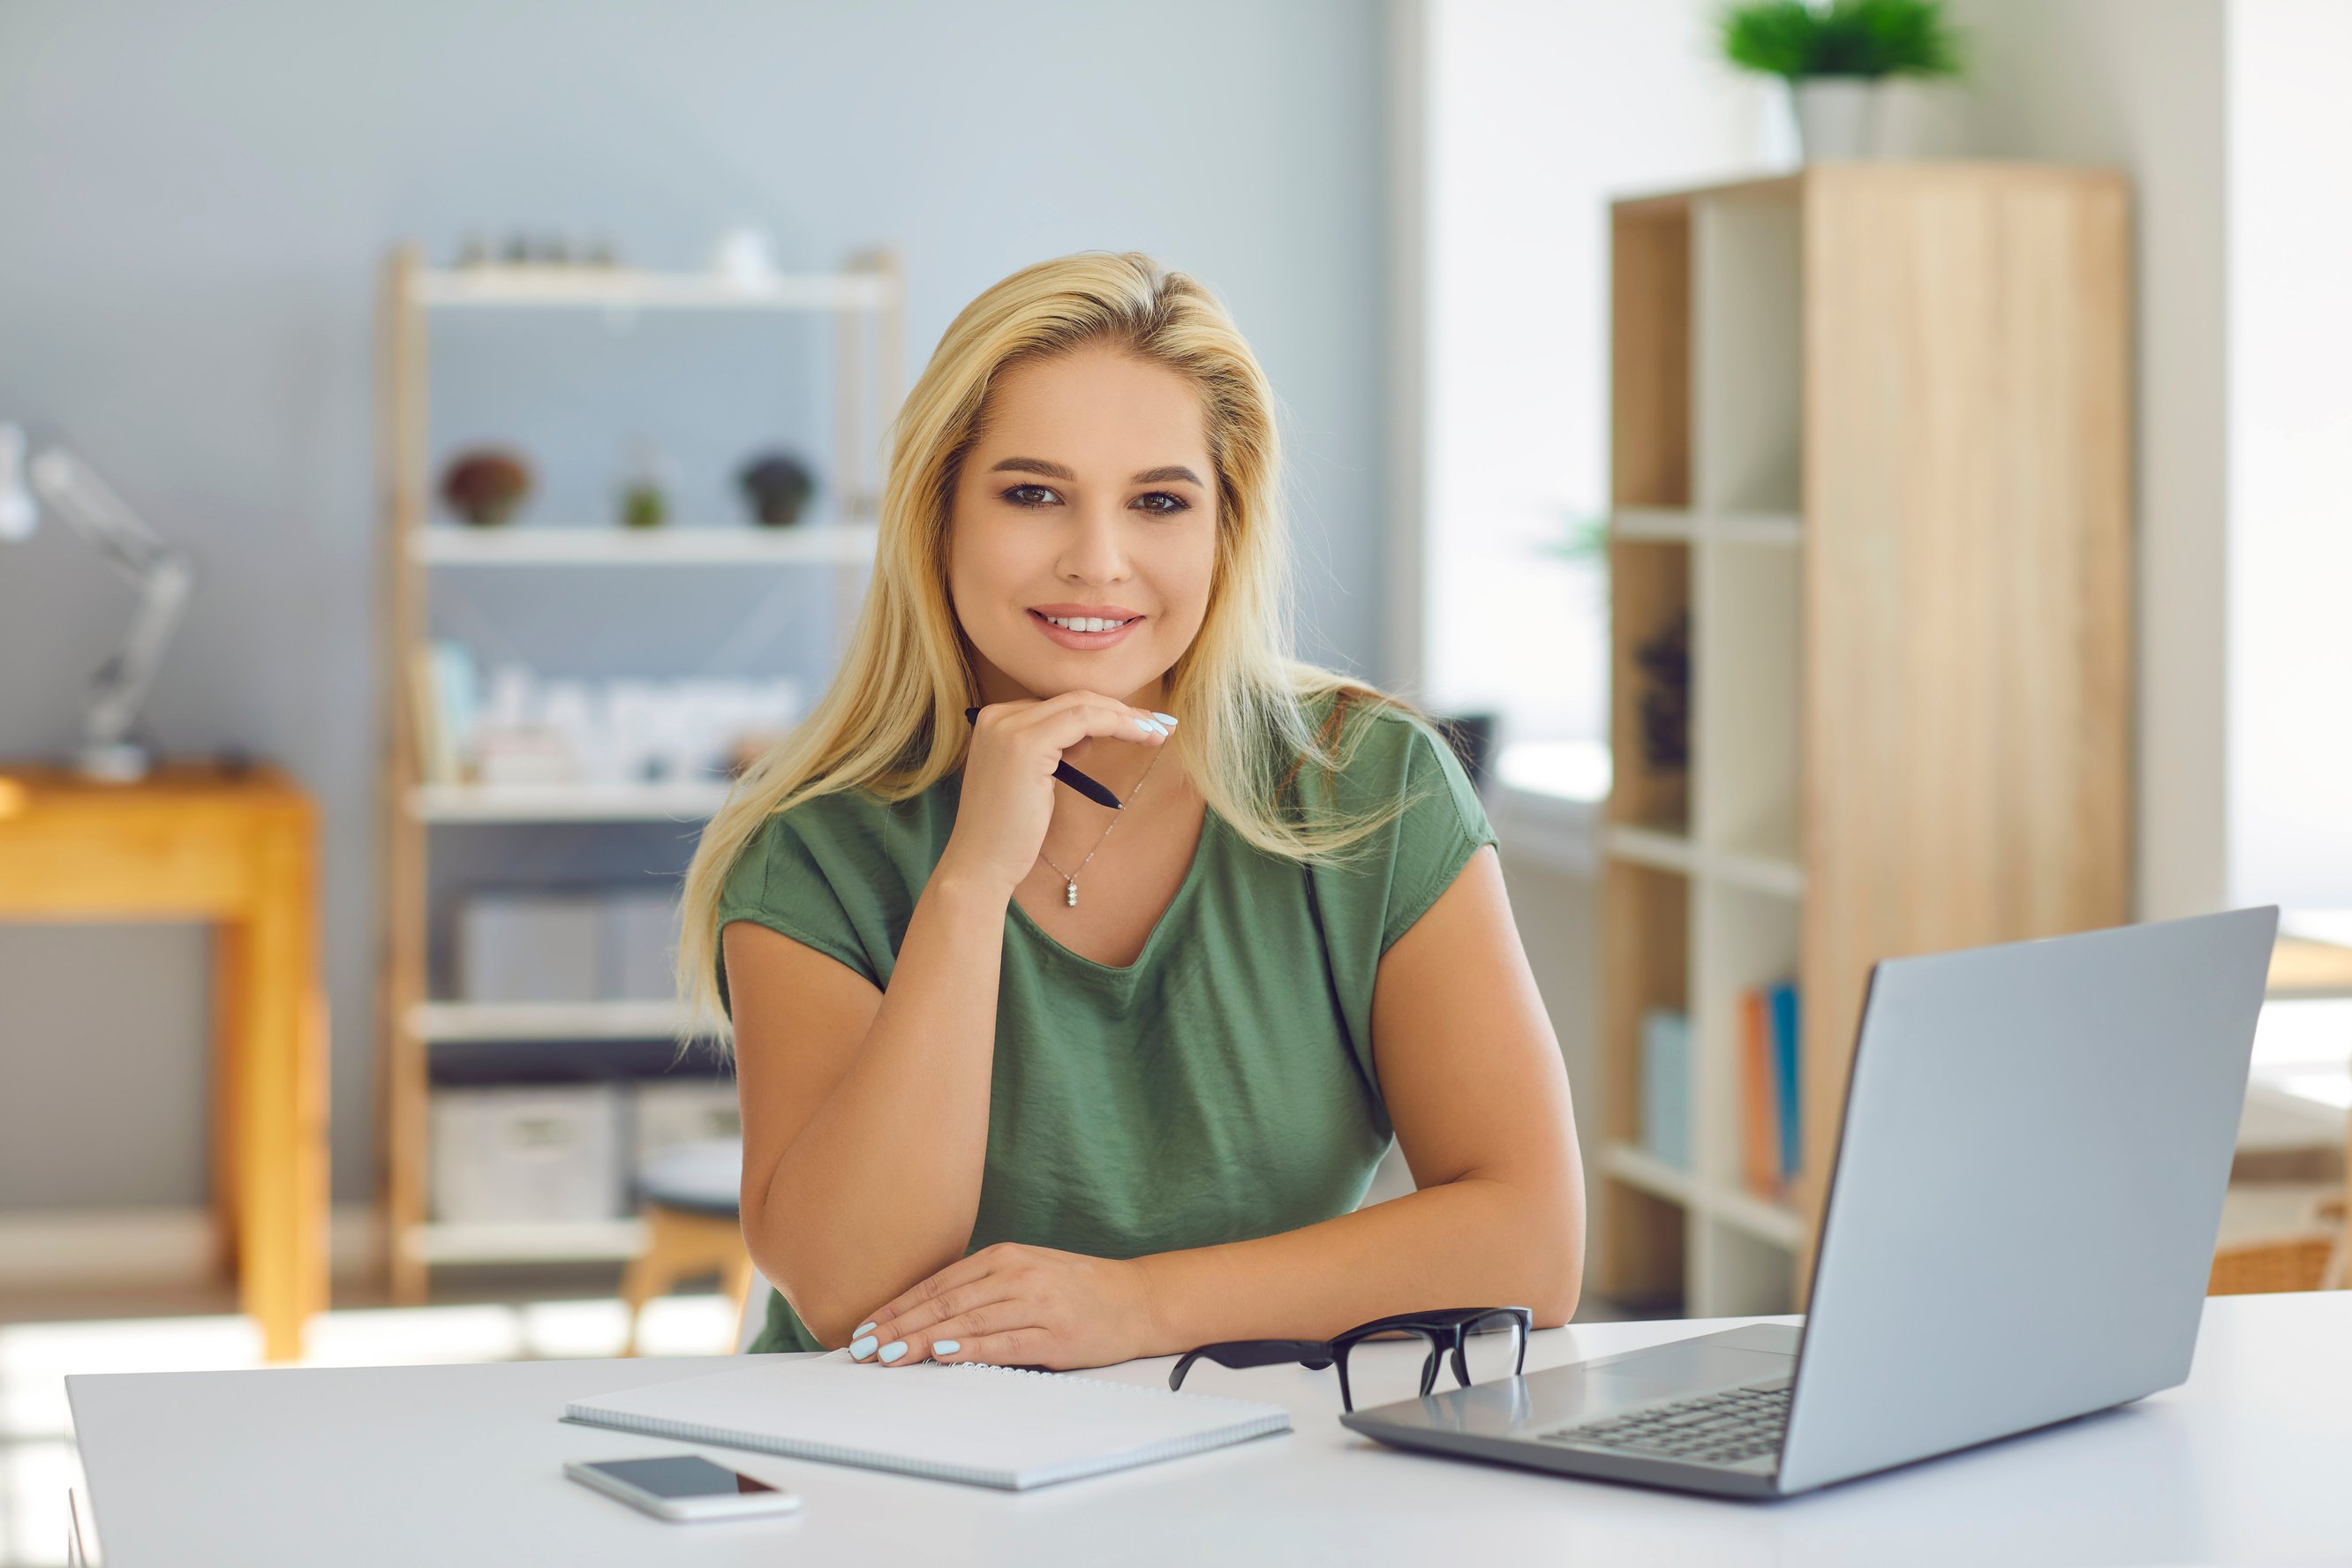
443, 682
1780, 1001
1772, 1147
1665, 1085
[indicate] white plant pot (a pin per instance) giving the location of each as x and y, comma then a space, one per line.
1837, 116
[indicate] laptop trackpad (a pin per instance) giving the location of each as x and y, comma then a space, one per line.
1737, 1356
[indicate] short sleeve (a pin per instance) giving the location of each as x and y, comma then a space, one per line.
780, 883
1438, 833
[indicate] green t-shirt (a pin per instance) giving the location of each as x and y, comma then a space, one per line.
1218, 1089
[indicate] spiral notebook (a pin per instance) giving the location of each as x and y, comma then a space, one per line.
985, 1425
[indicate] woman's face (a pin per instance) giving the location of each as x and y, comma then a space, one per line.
1089, 494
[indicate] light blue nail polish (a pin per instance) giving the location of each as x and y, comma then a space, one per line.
946, 1347
862, 1331
1167, 719
894, 1349
1146, 724
859, 1350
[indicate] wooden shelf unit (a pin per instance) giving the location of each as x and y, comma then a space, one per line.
1870, 428
866, 299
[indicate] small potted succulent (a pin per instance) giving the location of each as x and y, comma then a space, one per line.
777, 485
484, 485
1835, 54
644, 491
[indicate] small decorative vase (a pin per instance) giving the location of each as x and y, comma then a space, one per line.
1837, 116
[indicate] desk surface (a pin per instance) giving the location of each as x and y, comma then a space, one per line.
462, 1464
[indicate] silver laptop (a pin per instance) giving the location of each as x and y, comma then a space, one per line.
2019, 1225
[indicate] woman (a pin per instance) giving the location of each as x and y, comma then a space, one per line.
1019, 1090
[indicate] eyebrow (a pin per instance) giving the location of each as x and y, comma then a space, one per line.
1068, 475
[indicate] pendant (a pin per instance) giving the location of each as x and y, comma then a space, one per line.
1070, 893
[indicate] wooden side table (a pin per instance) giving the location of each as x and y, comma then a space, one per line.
239, 849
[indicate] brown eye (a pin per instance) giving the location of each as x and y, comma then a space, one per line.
1019, 495
1175, 503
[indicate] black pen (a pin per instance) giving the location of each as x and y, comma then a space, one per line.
1067, 775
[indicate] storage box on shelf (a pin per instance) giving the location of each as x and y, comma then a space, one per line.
1870, 435
866, 300
664, 1113
523, 1154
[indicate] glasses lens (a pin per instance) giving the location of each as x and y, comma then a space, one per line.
1491, 1347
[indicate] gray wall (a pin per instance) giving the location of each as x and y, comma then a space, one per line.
197, 200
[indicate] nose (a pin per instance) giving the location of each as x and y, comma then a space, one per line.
1094, 549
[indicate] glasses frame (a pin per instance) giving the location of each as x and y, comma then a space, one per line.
1447, 1329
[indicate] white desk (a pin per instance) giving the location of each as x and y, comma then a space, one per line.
2247, 1462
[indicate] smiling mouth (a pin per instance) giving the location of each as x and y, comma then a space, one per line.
1070, 636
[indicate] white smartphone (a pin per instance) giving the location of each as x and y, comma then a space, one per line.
683, 1487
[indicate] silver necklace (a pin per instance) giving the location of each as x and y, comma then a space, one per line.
1070, 878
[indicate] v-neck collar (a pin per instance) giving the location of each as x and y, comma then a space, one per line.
1210, 825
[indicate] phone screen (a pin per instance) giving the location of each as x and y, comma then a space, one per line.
680, 1475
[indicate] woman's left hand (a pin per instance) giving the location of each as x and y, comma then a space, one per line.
1012, 1305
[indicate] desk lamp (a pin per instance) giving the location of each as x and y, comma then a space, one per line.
162, 576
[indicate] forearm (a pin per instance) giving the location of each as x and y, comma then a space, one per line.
1477, 1242
882, 1187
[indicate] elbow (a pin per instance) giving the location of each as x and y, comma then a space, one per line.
828, 1322
829, 1326
1558, 1285
1555, 1307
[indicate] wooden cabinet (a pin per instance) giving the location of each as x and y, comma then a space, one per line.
1871, 435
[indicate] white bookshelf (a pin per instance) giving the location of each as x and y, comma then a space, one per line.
452, 803
1820, 454
1681, 526
575, 1241
806, 544
617, 1020
866, 302
630, 289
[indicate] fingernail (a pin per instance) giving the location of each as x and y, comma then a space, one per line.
946, 1347
860, 1349
894, 1349
862, 1329
1151, 728
1168, 718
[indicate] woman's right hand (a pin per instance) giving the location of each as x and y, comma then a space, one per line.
1007, 802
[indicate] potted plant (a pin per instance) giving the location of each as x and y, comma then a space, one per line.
484, 485
1834, 55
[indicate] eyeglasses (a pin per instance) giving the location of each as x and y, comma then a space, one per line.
1448, 1332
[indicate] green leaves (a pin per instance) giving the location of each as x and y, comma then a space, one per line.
1844, 38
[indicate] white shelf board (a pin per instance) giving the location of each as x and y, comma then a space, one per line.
627, 289
741, 544
1757, 873
1742, 1211
1651, 846
565, 1241
1675, 852
1640, 1168
1759, 1218
633, 1020
1681, 526
567, 802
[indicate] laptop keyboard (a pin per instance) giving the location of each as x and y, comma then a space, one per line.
1725, 1427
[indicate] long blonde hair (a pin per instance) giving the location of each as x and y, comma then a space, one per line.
892, 720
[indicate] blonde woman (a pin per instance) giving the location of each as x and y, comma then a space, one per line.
1019, 1089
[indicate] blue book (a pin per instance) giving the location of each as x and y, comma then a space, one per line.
1781, 1003
1665, 1086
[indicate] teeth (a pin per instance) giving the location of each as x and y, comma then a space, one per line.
1084, 623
